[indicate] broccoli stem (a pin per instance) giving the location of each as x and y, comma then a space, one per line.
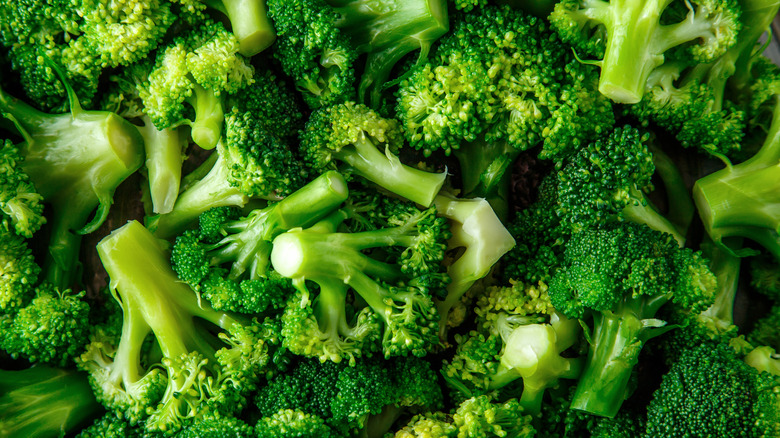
483, 169
644, 213
164, 158
387, 171
742, 199
617, 340
249, 23
680, 204
209, 115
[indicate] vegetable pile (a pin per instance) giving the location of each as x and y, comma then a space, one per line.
431, 219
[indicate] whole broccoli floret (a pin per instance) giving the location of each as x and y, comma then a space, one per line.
190, 79
633, 39
208, 361
619, 277
607, 181
499, 83
52, 329
292, 423
227, 260
519, 336
74, 176
709, 391
44, 402
367, 145
396, 270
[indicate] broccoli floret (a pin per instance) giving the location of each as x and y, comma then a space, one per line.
248, 21
227, 260
741, 200
709, 391
216, 426
519, 336
44, 402
251, 163
52, 329
620, 276
73, 175
19, 272
289, 423
607, 181
497, 84
208, 360
20, 203
190, 79
111, 426
633, 39
348, 397
367, 145
395, 270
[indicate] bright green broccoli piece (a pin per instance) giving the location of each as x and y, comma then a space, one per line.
710, 391
633, 39
216, 426
190, 79
52, 329
19, 272
482, 417
20, 203
290, 423
396, 270
208, 361
428, 425
227, 260
499, 83
351, 398
111, 426
608, 180
74, 176
248, 21
519, 336
44, 402
619, 277
365, 144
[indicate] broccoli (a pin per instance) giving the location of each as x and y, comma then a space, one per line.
227, 260
499, 83
190, 79
289, 423
319, 43
208, 362
19, 272
633, 39
740, 200
348, 397
367, 144
20, 203
519, 336
248, 21
74, 176
44, 402
709, 391
252, 162
620, 276
216, 426
111, 426
396, 270
608, 180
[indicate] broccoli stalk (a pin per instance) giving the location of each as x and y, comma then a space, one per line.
742, 200
76, 160
249, 23
44, 402
209, 361
164, 157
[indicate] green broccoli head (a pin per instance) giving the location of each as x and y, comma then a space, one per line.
19, 272
292, 423
20, 202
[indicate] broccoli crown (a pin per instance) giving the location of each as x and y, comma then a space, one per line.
111, 426
346, 396
710, 391
313, 51
52, 329
44, 402
209, 360
502, 76
19, 272
190, 79
634, 38
397, 285
217, 426
481, 416
292, 423
20, 202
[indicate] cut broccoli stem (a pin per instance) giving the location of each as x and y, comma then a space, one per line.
209, 115
617, 340
741, 200
387, 171
643, 213
249, 23
164, 158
